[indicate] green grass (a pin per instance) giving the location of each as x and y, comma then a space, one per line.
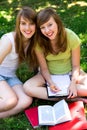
74, 16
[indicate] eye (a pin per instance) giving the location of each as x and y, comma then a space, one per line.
22, 23
49, 24
32, 23
42, 27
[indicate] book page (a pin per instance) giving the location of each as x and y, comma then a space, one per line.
62, 81
62, 112
46, 116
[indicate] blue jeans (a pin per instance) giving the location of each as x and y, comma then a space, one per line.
12, 81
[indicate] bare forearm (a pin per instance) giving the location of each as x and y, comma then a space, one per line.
75, 73
47, 76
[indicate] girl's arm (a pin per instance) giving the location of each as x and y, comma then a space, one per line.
5, 48
75, 72
75, 64
44, 70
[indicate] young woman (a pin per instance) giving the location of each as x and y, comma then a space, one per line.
16, 47
58, 52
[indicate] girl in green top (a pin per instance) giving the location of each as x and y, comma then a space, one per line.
58, 52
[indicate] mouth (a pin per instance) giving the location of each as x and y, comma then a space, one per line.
50, 35
28, 33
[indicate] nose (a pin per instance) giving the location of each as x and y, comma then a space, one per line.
46, 29
27, 26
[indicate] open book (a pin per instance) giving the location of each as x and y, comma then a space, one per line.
62, 81
56, 114
77, 111
78, 121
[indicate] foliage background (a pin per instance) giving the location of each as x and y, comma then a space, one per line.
74, 16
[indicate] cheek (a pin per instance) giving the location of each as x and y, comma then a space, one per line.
56, 28
21, 28
34, 29
42, 31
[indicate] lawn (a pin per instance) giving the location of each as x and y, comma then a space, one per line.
74, 16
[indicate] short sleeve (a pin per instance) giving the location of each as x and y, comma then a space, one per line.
72, 39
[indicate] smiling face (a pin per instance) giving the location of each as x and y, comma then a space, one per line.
50, 29
27, 28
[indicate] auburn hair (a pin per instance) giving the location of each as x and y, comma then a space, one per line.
43, 16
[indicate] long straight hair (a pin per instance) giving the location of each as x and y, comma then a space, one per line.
28, 14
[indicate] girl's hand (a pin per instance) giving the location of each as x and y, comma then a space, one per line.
72, 90
54, 88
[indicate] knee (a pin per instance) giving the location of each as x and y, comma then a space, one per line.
27, 89
9, 103
25, 102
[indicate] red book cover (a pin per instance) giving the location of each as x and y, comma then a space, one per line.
32, 115
78, 121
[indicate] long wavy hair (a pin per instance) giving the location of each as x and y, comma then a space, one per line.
29, 14
42, 17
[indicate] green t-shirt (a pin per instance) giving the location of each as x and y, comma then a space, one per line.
61, 63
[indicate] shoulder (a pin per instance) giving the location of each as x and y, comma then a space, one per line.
7, 40
71, 34
72, 38
9, 36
